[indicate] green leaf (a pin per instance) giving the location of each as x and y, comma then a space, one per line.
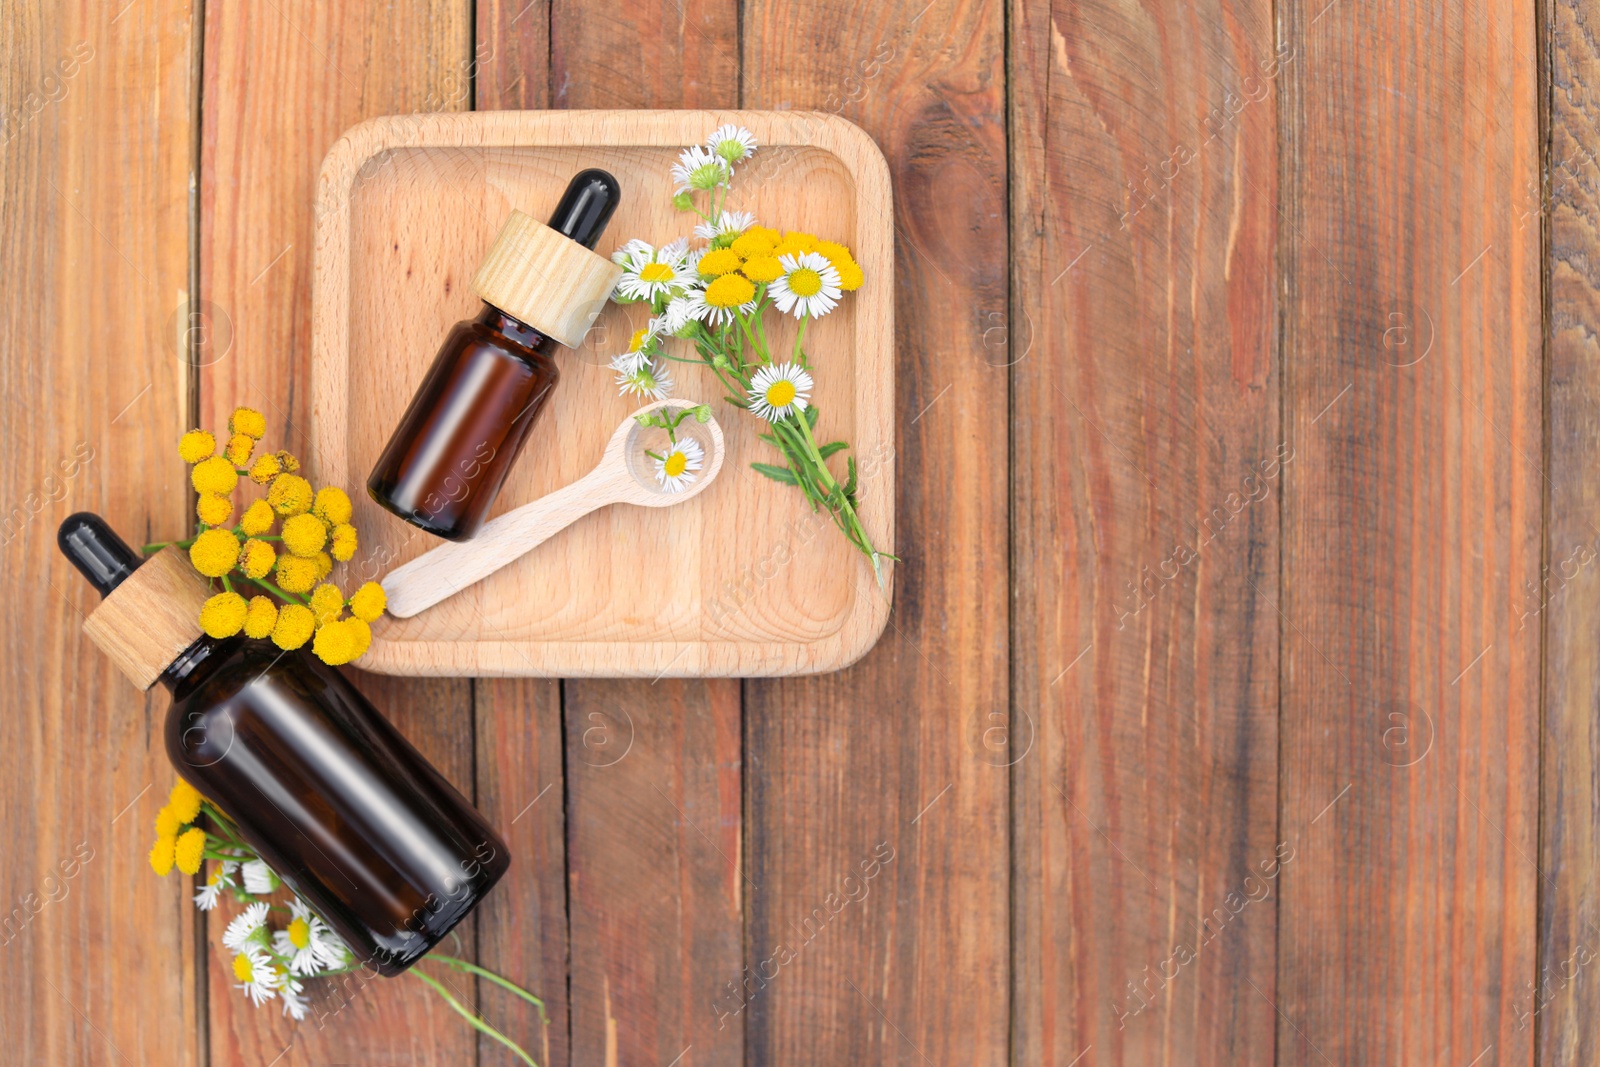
850, 480
811, 416
833, 447
777, 474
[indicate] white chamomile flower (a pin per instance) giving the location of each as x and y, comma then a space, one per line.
635, 249
648, 275
258, 878
733, 143
641, 346
653, 380
220, 878
699, 169
712, 314
679, 313
678, 246
730, 222
296, 1005
257, 976
306, 942
780, 390
247, 928
675, 470
809, 285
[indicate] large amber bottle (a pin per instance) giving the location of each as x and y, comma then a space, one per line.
318, 782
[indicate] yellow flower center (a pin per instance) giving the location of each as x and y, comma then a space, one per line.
242, 969
781, 393
675, 464
805, 282
300, 933
638, 339
656, 272
730, 290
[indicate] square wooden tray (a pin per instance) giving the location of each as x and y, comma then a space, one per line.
743, 580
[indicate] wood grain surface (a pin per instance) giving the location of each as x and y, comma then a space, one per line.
1255, 286
99, 954
1411, 529
262, 149
1560, 1001
870, 770
1148, 469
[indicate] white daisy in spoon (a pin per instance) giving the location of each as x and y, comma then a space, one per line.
808, 286
780, 390
258, 878
675, 470
732, 143
258, 978
731, 222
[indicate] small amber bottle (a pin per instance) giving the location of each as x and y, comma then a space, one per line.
445, 462
327, 792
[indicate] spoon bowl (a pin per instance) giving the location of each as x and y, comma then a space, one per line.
626, 474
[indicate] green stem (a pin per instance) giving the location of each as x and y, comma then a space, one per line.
505, 983
476, 1022
799, 336
292, 598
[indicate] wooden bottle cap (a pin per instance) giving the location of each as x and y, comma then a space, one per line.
147, 621
545, 279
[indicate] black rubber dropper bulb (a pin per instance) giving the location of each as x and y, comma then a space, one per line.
94, 548
586, 206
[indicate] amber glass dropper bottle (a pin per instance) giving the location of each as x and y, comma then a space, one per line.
445, 462
319, 783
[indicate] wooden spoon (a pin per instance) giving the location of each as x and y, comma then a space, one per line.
623, 476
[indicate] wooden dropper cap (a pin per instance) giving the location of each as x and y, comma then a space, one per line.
151, 610
547, 276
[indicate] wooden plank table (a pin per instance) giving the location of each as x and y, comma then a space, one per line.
1239, 700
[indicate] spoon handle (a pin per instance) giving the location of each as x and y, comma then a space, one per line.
445, 571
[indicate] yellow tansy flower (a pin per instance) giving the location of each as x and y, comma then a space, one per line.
257, 558
214, 509
240, 445
324, 565
327, 603
834, 252
196, 445
161, 855
214, 553
247, 421
368, 602
214, 475
189, 850
257, 518
261, 618
762, 268
332, 506
339, 642
850, 276
223, 615
296, 574
795, 242
167, 824
730, 290
344, 543
265, 469
290, 494
772, 236
286, 461
184, 801
362, 634
295, 626
304, 535
750, 244
719, 261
